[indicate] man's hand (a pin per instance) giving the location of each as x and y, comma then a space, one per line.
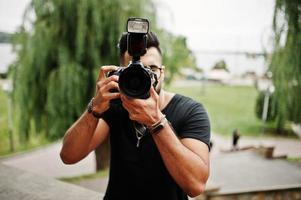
144, 111
104, 85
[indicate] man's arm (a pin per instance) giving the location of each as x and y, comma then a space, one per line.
88, 132
83, 137
187, 160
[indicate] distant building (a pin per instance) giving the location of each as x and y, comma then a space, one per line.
191, 74
219, 75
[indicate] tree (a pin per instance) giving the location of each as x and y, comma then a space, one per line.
58, 61
271, 108
220, 65
286, 61
176, 54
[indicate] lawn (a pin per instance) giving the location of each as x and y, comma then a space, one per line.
3, 122
229, 107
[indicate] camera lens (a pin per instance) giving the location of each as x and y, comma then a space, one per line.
135, 82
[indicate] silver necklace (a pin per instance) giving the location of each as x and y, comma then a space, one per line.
140, 131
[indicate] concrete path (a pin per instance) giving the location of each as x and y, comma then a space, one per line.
289, 147
46, 161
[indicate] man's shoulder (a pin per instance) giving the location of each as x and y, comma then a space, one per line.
183, 106
186, 101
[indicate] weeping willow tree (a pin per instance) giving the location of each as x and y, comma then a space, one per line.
59, 59
286, 61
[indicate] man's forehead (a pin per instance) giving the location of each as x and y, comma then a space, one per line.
152, 57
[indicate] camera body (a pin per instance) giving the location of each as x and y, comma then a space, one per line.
135, 80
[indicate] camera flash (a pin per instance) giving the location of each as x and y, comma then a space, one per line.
137, 25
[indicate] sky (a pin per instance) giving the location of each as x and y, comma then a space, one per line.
212, 26
11, 14
219, 24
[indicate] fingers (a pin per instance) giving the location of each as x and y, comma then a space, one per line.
109, 86
110, 79
126, 102
132, 109
112, 95
153, 93
102, 83
106, 87
104, 70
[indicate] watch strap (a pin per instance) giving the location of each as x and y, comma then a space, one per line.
155, 128
90, 110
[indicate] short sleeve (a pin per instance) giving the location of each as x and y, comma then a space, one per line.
195, 124
108, 116
113, 115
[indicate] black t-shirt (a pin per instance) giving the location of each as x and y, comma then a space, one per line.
139, 173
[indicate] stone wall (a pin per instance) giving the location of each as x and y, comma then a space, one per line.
287, 194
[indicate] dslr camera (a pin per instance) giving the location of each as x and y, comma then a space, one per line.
135, 80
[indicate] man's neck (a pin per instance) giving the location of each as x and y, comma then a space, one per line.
164, 98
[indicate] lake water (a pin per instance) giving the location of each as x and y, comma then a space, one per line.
6, 56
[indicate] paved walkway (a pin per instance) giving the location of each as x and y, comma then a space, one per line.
46, 161
289, 147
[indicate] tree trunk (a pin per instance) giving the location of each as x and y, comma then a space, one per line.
102, 155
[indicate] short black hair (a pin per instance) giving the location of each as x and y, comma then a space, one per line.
152, 41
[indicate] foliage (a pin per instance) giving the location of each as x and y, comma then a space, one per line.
220, 65
286, 60
272, 107
176, 54
58, 61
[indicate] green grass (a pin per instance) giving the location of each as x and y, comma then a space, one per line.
3, 121
296, 160
229, 107
99, 174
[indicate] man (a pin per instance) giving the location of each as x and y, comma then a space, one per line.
167, 163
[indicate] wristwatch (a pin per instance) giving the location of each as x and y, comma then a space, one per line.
90, 110
158, 126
